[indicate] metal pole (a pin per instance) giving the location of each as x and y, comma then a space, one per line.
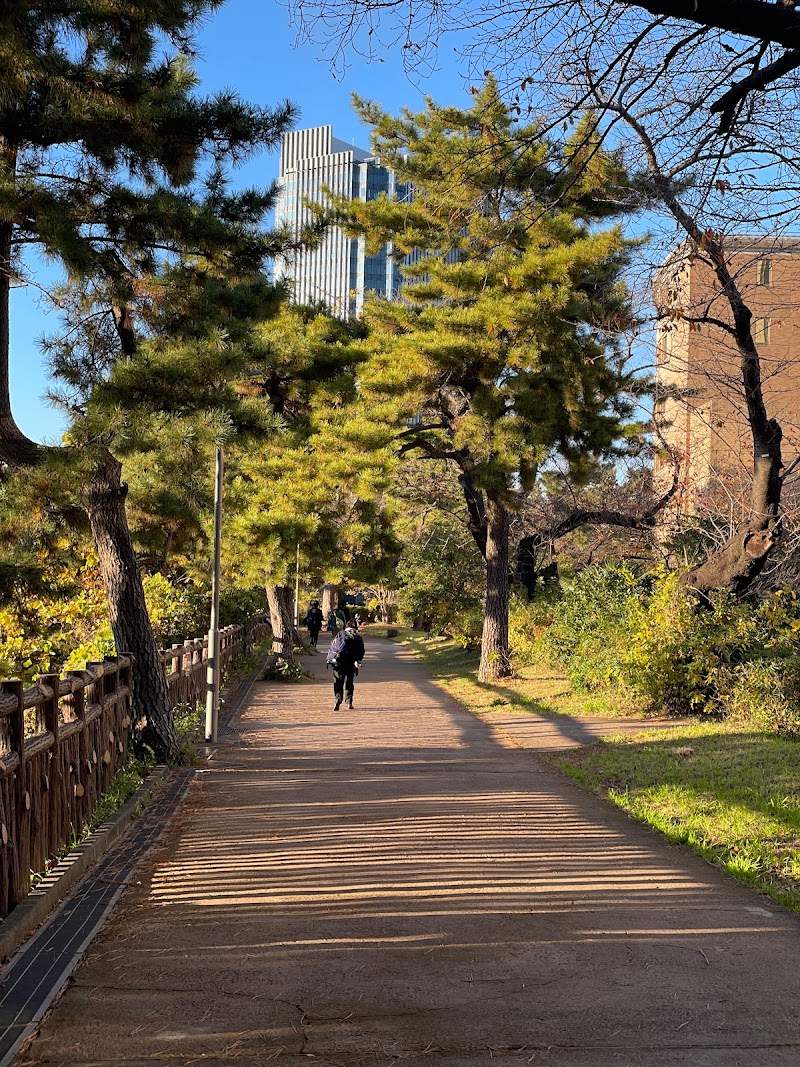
297, 587
213, 676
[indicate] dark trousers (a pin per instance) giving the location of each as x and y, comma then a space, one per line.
314, 635
344, 682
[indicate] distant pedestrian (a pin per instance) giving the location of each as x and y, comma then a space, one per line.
357, 621
332, 625
341, 616
313, 622
345, 656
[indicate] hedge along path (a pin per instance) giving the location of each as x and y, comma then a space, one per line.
401, 884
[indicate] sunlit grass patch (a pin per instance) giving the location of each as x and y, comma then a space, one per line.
732, 796
536, 687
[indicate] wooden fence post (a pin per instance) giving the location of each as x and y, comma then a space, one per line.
125, 681
56, 815
82, 793
98, 688
194, 656
20, 832
113, 723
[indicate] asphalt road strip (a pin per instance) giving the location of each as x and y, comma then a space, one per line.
39, 970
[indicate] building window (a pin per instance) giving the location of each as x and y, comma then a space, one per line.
765, 272
761, 331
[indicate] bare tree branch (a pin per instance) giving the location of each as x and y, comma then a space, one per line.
728, 103
750, 18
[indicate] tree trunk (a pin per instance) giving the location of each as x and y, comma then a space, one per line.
331, 596
281, 612
742, 558
739, 561
15, 448
527, 572
495, 658
477, 518
105, 506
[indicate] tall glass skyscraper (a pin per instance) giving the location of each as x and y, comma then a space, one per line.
338, 272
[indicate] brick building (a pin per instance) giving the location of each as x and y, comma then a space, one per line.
699, 398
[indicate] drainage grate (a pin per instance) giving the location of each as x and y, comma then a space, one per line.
38, 972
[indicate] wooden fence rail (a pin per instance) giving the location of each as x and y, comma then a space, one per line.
63, 739
187, 664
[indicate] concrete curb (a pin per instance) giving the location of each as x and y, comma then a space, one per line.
41, 901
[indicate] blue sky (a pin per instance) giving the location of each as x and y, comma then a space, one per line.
248, 46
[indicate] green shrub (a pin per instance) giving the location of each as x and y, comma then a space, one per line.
466, 627
591, 626
54, 633
765, 696
178, 609
679, 655
612, 629
44, 633
285, 672
236, 606
529, 620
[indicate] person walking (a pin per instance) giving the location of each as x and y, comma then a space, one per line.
345, 656
332, 626
313, 621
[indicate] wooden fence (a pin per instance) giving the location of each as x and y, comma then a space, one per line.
187, 664
63, 739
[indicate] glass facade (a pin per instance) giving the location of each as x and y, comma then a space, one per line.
337, 272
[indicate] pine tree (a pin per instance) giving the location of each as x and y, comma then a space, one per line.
102, 143
502, 352
303, 495
185, 387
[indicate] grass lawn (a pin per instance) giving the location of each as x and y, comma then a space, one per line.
731, 794
538, 687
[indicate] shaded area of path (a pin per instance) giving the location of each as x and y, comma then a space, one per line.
397, 885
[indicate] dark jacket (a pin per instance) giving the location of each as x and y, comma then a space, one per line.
314, 619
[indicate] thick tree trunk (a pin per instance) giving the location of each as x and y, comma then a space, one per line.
15, 448
105, 506
735, 565
495, 658
281, 613
742, 558
331, 597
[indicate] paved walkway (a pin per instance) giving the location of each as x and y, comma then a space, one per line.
402, 885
